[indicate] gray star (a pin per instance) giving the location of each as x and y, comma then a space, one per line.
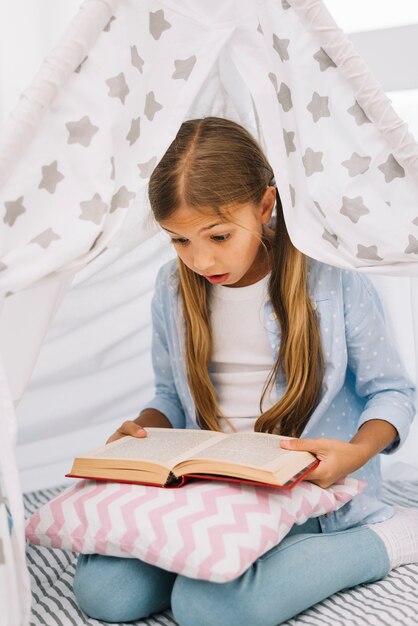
134, 131
368, 252
77, 69
388, 203
415, 221
323, 59
357, 164
318, 206
45, 238
354, 208
281, 46
312, 162
81, 132
151, 106
359, 115
145, 169
3, 266
136, 60
332, 239
13, 210
118, 87
288, 141
273, 79
157, 23
184, 68
93, 210
112, 171
391, 169
413, 245
107, 27
285, 5
318, 106
284, 96
260, 30
292, 195
121, 199
50, 177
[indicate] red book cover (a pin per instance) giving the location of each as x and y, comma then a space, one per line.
181, 480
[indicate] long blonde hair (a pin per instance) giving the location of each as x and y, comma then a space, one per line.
216, 162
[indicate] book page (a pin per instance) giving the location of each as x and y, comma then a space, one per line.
162, 445
259, 450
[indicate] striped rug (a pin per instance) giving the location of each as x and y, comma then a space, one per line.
389, 602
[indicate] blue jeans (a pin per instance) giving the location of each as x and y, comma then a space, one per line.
306, 567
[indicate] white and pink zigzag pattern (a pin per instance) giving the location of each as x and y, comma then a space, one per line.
208, 530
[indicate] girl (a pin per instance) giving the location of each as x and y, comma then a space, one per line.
249, 334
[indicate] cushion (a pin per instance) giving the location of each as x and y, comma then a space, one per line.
206, 529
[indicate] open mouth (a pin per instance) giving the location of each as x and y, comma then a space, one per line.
217, 278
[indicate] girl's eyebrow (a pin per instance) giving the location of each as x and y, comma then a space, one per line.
202, 229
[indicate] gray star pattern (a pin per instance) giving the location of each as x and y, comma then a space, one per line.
415, 221
312, 162
359, 115
413, 245
391, 169
354, 208
288, 137
368, 252
134, 131
81, 132
285, 4
260, 30
157, 23
323, 59
184, 67
118, 87
77, 69
292, 195
388, 203
284, 96
121, 199
332, 239
3, 266
281, 46
318, 206
13, 210
93, 210
112, 171
151, 106
145, 169
136, 60
107, 27
273, 79
50, 177
318, 106
357, 164
45, 238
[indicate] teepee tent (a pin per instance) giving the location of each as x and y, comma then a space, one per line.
78, 150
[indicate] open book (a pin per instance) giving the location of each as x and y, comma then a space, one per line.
168, 457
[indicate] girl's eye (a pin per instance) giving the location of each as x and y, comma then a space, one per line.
221, 237
181, 242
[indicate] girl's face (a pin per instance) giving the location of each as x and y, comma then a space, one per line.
224, 252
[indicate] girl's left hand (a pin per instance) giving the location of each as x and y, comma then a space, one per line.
337, 458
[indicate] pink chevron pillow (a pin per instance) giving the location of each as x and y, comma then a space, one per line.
205, 529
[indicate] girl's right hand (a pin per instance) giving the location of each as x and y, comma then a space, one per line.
128, 428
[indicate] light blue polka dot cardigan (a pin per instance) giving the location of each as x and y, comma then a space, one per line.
364, 378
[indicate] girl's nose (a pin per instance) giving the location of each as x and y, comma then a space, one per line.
203, 261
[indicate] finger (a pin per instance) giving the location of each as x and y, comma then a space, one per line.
310, 445
128, 428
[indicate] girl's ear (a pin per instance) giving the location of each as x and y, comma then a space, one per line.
267, 204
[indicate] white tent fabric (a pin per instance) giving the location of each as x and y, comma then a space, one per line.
80, 146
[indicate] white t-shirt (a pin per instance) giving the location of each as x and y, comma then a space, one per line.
241, 358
